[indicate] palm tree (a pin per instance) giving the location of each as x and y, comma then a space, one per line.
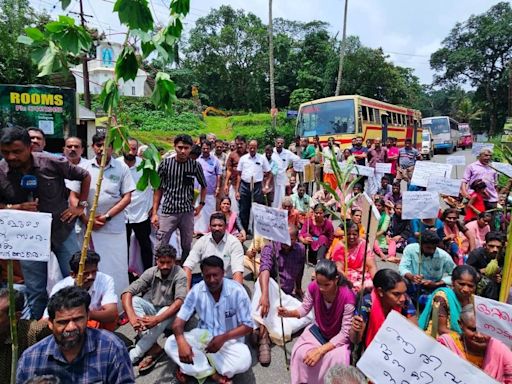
467, 111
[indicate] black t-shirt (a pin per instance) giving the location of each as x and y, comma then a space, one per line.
478, 258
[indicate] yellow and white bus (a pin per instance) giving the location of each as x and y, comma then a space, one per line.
349, 116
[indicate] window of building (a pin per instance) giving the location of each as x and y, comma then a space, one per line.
133, 91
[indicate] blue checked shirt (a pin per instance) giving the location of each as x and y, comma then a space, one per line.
232, 310
103, 359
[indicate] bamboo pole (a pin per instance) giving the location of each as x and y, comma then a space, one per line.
12, 320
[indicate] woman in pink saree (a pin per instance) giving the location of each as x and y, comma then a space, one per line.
233, 223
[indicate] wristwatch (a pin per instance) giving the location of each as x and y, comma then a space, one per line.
108, 217
83, 204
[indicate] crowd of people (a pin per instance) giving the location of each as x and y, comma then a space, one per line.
196, 245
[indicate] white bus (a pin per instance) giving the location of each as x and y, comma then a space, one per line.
445, 132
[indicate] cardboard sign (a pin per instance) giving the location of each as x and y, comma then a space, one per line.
403, 353
271, 223
456, 160
420, 205
25, 235
367, 208
425, 169
383, 168
362, 170
450, 187
477, 147
298, 165
503, 168
494, 319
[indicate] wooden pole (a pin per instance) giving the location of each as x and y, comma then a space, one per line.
253, 234
367, 238
278, 278
12, 320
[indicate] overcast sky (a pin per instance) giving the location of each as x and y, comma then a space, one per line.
408, 30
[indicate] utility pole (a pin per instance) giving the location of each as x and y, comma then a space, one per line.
85, 68
510, 90
342, 51
273, 110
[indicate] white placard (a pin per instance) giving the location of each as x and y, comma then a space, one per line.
403, 353
298, 165
477, 147
383, 168
456, 160
503, 168
362, 170
494, 319
271, 223
450, 187
425, 169
420, 205
25, 235
365, 205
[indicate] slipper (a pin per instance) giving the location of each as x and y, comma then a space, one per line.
151, 360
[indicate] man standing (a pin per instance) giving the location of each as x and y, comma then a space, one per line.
151, 302
76, 353
37, 139
284, 159
224, 312
331, 151
481, 169
359, 152
108, 237
51, 195
273, 162
218, 243
222, 157
212, 174
253, 170
73, 150
290, 266
137, 212
232, 173
407, 157
377, 154
177, 174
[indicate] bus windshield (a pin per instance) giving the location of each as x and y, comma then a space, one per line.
329, 118
464, 130
425, 135
437, 125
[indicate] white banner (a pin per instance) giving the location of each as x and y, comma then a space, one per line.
403, 353
383, 168
271, 223
298, 165
450, 187
363, 170
456, 160
25, 235
477, 147
503, 168
494, 319
425, 169
420, 205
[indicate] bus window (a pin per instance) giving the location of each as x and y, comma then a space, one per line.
365, 113
377, 116
333, 117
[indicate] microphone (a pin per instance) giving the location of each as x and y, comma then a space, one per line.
29, 183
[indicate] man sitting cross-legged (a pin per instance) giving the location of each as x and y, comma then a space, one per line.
165, 288
224, 312
100, 286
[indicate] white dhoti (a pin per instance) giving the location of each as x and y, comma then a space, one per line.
374, 183
113, 250
233, 358
279, 192
273, 322
234, 201
202, 221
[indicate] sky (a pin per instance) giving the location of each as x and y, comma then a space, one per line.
409, 31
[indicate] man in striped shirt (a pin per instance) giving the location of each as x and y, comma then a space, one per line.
177, 174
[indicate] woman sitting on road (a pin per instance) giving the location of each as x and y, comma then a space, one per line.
451, 300
458, 240
293, 214
324, 343
317, 233
490, 355
389, 294
234, 224
355, 259
381, 245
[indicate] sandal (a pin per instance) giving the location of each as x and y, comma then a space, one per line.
149, 362
264, 353
180, 376
221, 379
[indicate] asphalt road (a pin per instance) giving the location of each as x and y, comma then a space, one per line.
276, 373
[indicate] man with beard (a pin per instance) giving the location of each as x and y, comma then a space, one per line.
224, 312
231, 171
137, 212
103, 306
482, 170
428, 271
407, 157
479, 258
37, 138
219, 243
360, 153
151, 302
75, 353
51, 195
73, 150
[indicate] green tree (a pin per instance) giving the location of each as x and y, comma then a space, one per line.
478, 51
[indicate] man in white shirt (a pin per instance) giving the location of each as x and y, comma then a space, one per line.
218, 243
253, 171
137, 212
103, 307
284, 158
331, 151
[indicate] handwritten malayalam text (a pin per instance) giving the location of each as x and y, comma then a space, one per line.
271, 223
494, 318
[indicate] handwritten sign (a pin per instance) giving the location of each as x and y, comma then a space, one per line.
450, 187
25, 235
456, 160
383, 168
362, 170
420, 205
494, 319
298, 165
368, 208
477, 147
403, 353
503, 168
271, 223
425, 169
